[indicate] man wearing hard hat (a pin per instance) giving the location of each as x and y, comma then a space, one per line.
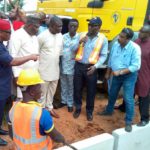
30, 125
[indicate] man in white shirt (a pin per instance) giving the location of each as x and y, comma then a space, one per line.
50, 45
24, 42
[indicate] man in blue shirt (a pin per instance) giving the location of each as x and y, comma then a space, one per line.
123, 64
6, 61
91, 54
70, 45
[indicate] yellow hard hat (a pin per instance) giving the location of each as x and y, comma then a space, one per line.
29, 77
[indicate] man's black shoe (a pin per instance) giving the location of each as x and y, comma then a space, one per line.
104, 113
70, 109
3, 142
60, 105
142, 123
76, 114
89, 117
128, 128
3, 132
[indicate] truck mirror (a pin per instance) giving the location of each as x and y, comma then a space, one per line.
95, 4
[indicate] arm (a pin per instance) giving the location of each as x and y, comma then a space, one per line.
108, 73
21, 60
103, 54
56, 136
46, 122
103, 57
75, 44
135, 60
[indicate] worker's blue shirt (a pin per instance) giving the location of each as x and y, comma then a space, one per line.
5, 72
128, 57
46, 122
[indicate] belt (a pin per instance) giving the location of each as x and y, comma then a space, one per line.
84, 65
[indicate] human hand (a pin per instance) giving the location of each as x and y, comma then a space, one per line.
116, 73
107, 76
34, 57
91, 70
83, 40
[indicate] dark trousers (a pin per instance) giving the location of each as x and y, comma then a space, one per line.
81, 78
2, 106
144, 107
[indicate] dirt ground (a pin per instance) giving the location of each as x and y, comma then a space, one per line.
79, 129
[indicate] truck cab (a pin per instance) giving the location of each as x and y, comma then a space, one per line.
115, 14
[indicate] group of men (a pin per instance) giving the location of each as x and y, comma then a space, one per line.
76, 58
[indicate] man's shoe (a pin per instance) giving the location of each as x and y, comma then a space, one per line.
70, 109
3, 132
128, 128
76, 114
104, 113
3, 142
142, 123
54, 114
60, 105
89, 117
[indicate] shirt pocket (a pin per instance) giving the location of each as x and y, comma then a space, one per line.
126, 59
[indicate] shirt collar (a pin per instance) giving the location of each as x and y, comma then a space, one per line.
73, 36
127, 45
35, 103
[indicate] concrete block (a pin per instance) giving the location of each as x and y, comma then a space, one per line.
100, 142
138, 139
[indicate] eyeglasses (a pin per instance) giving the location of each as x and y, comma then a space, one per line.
9, 32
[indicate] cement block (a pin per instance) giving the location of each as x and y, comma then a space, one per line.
138, 139
100, 142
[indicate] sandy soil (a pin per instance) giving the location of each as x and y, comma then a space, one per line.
78, 129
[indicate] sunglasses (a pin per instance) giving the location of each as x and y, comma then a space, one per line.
9, 32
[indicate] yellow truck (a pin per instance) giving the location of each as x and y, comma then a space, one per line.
115, 14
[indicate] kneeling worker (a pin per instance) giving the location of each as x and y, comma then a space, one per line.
30, 125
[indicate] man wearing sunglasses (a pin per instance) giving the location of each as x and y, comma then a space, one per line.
91, 54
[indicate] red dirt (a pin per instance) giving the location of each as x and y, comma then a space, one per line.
79, 129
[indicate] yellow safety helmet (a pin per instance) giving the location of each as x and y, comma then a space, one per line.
29, 77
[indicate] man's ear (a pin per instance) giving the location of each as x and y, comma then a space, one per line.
31, 92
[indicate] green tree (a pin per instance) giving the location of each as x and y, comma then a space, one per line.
11, 5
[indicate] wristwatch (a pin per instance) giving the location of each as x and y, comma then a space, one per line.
121, 72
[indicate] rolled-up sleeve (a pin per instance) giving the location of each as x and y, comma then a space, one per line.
135, 59
103, 54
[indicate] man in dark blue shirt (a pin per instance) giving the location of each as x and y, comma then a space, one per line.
6, 61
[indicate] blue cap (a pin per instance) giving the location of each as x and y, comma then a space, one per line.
95, 21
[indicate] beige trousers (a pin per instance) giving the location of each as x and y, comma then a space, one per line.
48, 91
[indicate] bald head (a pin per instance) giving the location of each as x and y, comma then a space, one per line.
144, 33
146, 28
55, 25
